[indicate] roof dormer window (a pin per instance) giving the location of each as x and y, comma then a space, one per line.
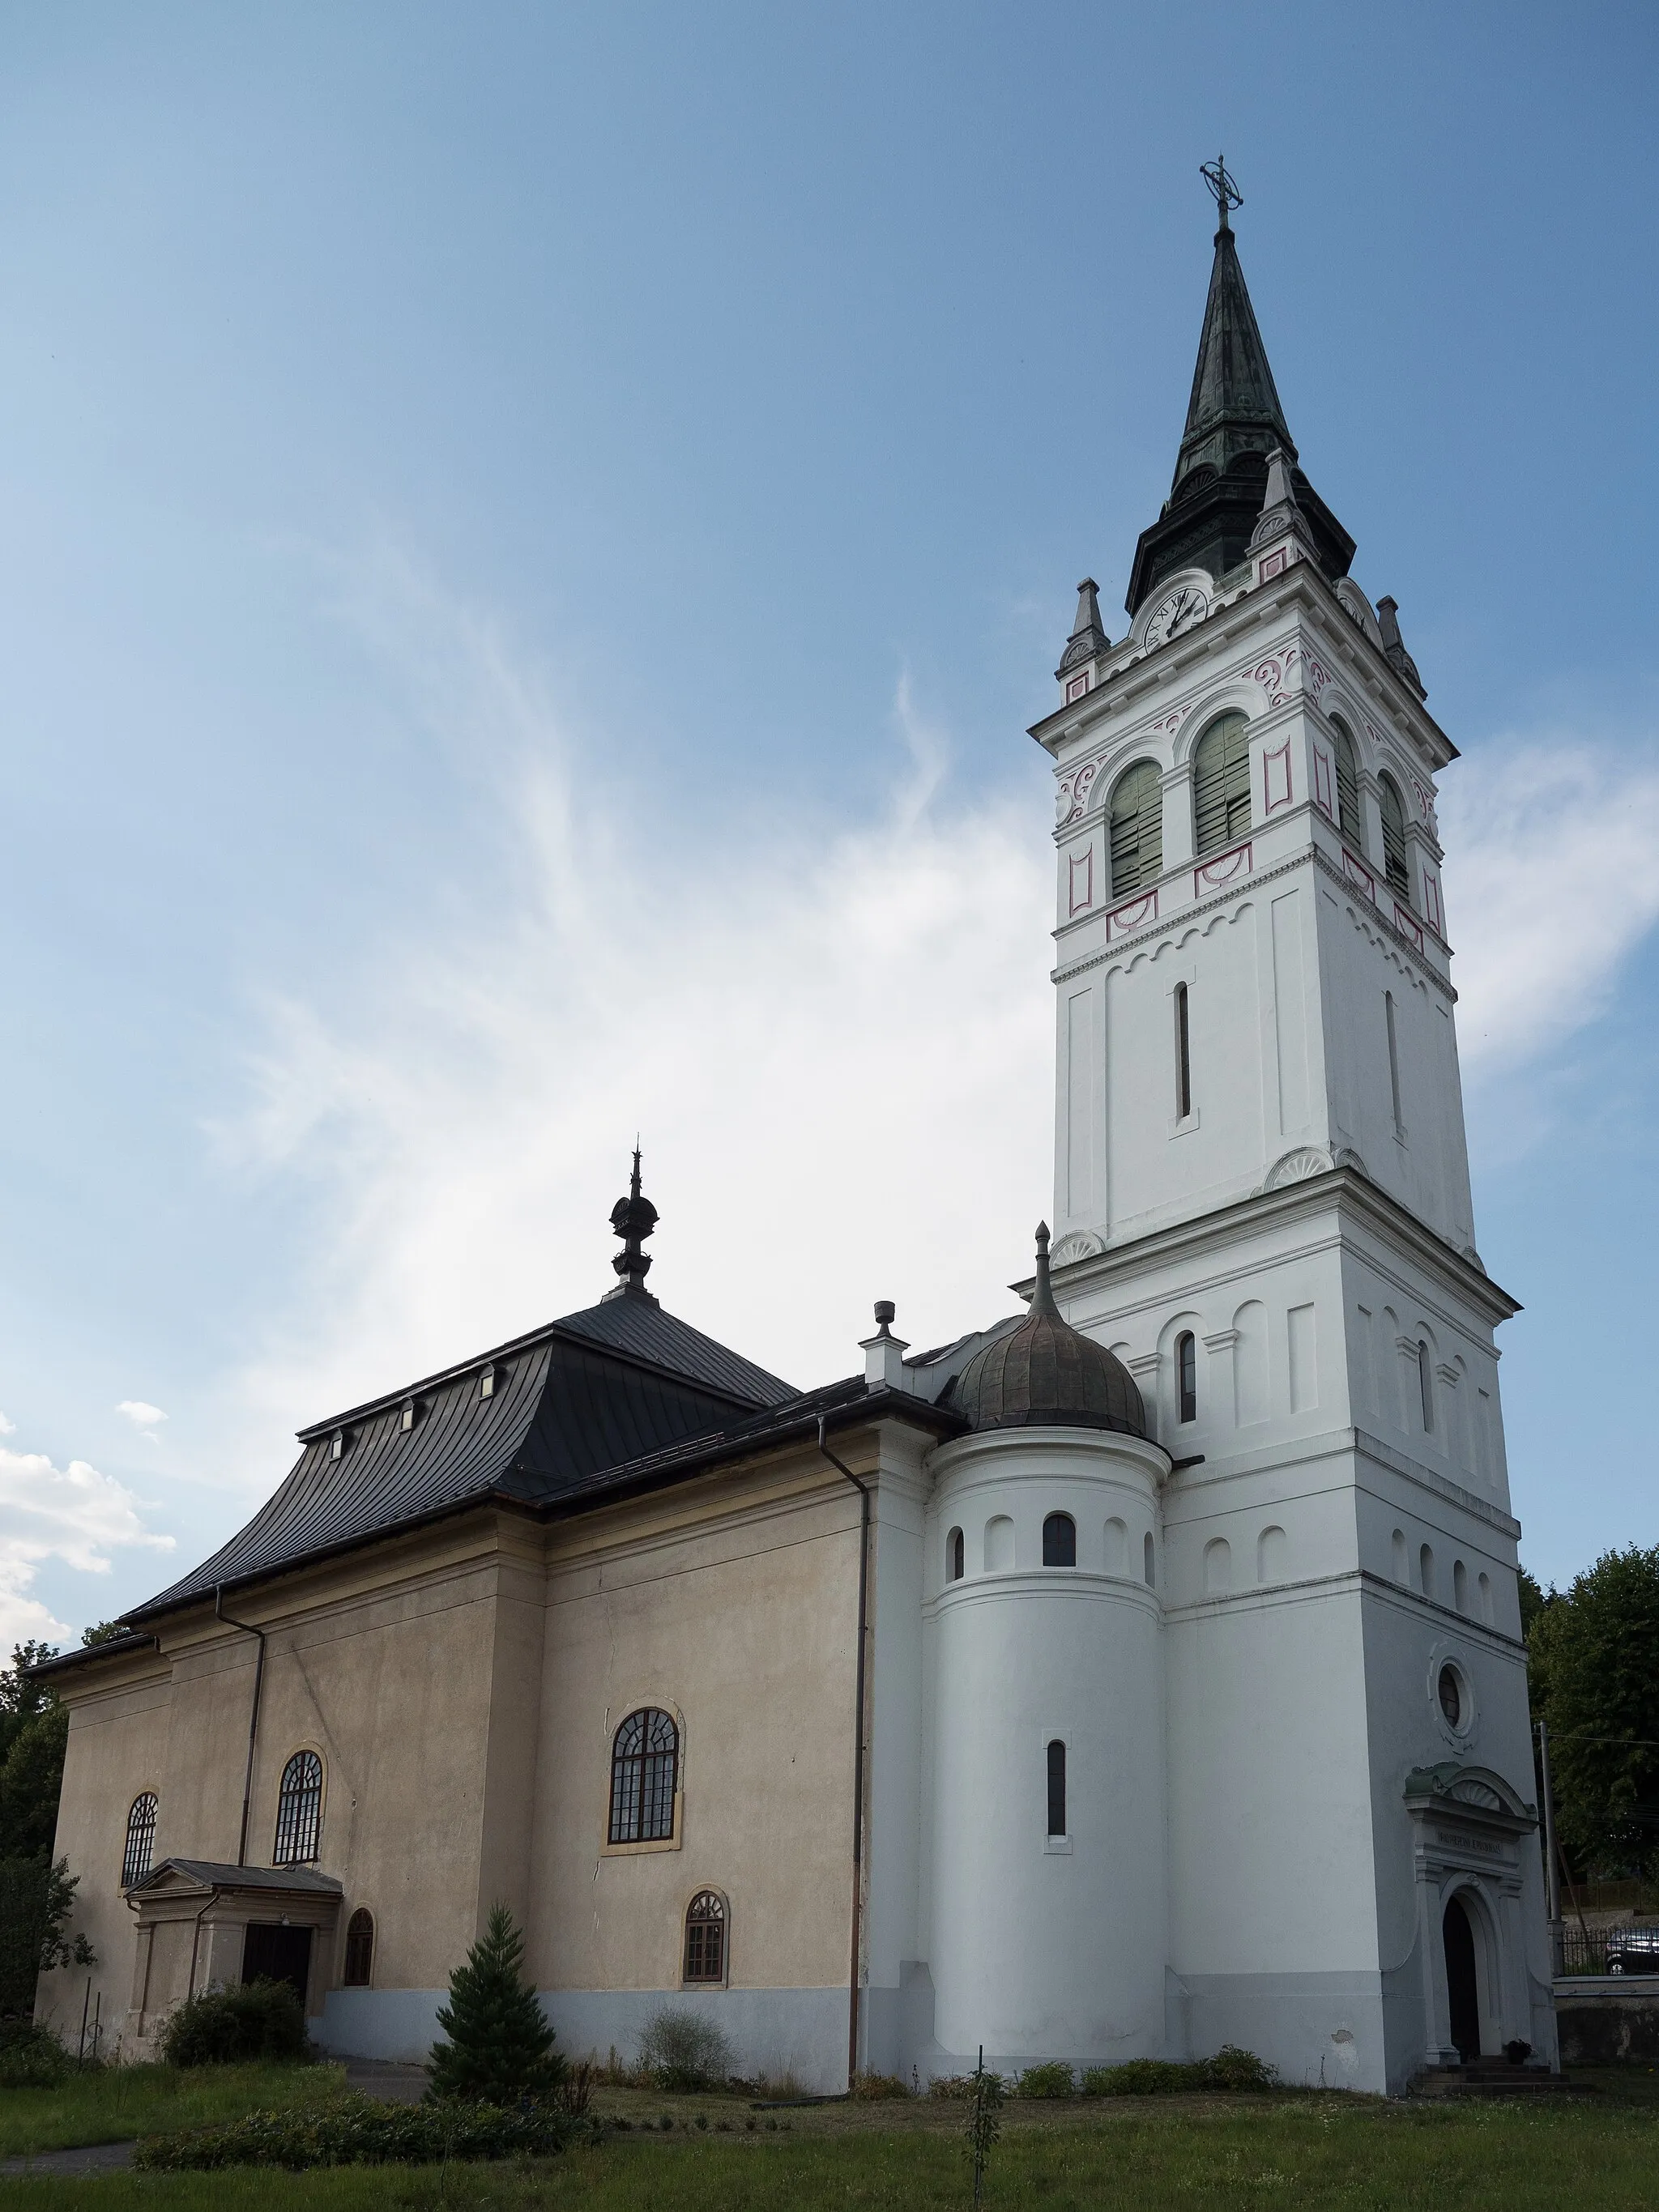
337, 1443
411, 1413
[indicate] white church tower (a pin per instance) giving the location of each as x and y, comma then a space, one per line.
1261, 1205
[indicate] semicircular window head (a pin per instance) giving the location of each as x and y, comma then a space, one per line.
1137, 829
644, 1777
1221, 785
705, 1937
359, 1950
299, 1811
139, 1843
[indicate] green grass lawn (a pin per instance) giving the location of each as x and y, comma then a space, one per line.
118, 2101
1225, 2153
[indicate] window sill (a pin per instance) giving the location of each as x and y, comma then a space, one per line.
638, 1851
1059, 1845
1181, 1123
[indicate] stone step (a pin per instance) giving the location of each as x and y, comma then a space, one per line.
1494, 2077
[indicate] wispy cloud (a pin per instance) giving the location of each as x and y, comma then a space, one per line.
834, 1039
1552, 880
142, 1416
73, 1513
7, 1428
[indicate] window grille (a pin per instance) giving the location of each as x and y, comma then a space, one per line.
955, 1559
1060, 1541
644, 1773
1137, 829
136, 1852
1394, 837
1451, 1696
360, 1949
705, 1937
1187, 1373
299, 1811
1056, 1787
1221, 784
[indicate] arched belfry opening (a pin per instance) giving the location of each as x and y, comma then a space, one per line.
1462, 1980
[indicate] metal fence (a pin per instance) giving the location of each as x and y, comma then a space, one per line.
1585, 1950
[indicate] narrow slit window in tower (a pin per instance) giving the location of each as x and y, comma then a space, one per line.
1187, 1373
1183, 1055
955, 1557
1056, 1787
1393, 1063
1425, 1388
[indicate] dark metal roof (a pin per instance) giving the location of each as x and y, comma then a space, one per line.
216, 1874
1046, 1374
1234, 420
599, 1390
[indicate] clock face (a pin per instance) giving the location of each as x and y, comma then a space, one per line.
1184, 607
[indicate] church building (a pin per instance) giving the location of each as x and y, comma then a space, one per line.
1138, 1674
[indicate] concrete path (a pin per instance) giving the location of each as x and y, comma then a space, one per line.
386, 2078
97, 2158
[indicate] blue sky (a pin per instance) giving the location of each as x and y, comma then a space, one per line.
529, 540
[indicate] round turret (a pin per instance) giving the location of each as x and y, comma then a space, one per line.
1045, 1374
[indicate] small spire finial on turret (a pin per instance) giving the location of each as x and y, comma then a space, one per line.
633, 1219
1222, 190
1088, 636
1042, 1296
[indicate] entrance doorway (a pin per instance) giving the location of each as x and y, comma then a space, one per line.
1463, 1989
273, 1953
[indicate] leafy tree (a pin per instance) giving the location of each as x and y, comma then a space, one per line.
499, 2045
1533, 1600
36, 1899
1593, 1671
33, 1732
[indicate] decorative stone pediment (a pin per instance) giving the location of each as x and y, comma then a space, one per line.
1297, 1166
1469, 1791
1079, 1245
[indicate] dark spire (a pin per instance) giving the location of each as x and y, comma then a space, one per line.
1045, 1374
1234, 421
633, 1219
1088, 636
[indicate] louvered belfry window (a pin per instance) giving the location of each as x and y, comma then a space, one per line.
299, 1811
644, 1774
1137, 829
1394, 837
705, 1937
1221, 785
1348, 817
140, 1840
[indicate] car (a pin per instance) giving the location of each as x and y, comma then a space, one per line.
1633, 1950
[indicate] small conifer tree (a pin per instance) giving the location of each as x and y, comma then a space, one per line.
500, 2047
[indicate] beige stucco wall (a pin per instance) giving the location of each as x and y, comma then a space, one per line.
462, 1687
733, 1603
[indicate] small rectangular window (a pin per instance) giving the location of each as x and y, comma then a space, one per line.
1056, 1787
1183, 1055
1187, 1373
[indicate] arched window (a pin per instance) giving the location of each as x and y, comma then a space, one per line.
1459, 1586
998, 1544
644, 1775
1349, 819
1137, 829
1221, 784
1399, 1546
1425, 1569
1485, 1599
1149, 1560
360, 1949
1394, 836
1217, 1566
956, 1557
1117, 1547
1187, 1373
1060, 1541
299, 1811
140, 1840
705, 1937
1056, 1787
1425, 1387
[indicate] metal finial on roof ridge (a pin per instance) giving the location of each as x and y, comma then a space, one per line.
1222, 190
1042, 1296
633, 1219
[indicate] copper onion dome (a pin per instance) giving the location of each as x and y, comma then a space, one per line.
1045, 1374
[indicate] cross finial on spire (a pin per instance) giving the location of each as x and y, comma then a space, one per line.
1222, 190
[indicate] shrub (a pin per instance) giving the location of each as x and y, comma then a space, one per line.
1053, 2080
683, 2052
500, 2044
951, 2086
874, 2088
222, 2028
31, 2057
358, 2131
1230, 2069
